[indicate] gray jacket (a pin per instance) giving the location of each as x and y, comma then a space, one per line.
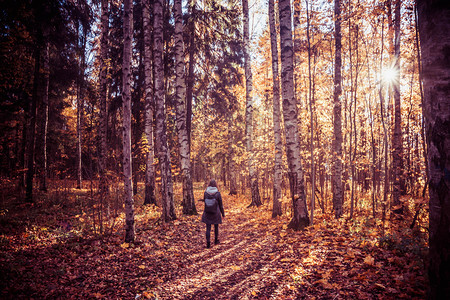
213, 218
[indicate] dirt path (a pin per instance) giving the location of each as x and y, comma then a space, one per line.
258, 258
244, 265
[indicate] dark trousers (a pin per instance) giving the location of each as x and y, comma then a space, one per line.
208, 232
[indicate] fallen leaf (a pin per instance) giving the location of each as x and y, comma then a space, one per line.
380, 286
369, 260
324, 283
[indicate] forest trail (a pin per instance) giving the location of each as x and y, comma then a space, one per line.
258, 258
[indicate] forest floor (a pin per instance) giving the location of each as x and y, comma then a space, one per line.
44, 253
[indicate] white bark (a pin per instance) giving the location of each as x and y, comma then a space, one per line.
256, 200
277, 177
180, 97
300, 217
149, 108
126, 105
161, 136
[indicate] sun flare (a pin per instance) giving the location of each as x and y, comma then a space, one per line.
389, 75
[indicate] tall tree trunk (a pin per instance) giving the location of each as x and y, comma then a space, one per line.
256, 199
297, 63
278, 162
353, 110
126, 105
385, 133
373, 145
419, 62
355, 107
136, 127
161, 135
149, 107
350, 110
231, 163
300, 217
313, 186
80, 104
180, 98
43, 117
102, 153
434, 26
23, 150
190, 78
32, 124
336, 182
397, 139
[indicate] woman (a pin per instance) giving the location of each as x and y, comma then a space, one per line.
213, 212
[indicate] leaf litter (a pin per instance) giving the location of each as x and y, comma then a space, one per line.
258, 258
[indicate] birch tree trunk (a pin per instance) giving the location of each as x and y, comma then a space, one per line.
126, 105
137, 108
161, 136
300, 217
149, 107
336, 181
80, 104
23, 150
79, 134
231, 163
103, 185
256, 199
397, 139
297, 62
278, 162
43, 117
180, 98
434, 26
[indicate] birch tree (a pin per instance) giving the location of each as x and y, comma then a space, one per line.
149, 107
126, 106
256, 200
231, 155
81, 46
43, 115
103, 187
300, 217
161, 136
278, 162
79, 121
180, 98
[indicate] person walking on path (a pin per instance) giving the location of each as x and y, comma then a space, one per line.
213, 212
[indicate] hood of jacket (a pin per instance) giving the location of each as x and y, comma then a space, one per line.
211, 190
